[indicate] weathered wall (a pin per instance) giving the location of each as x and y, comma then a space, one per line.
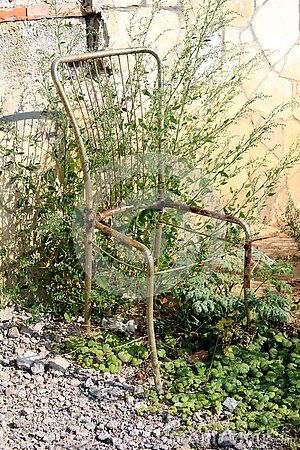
23, 45
271, 26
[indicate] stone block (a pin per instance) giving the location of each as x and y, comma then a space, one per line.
45, 10
246, 36
291, 68
58, 364
291, 134
13, 333
26, 360
6, 314
98, 5
276, 27
296, 106
243, 10
22, 45
259, 73
37, 368
9, 15
232, 35
279, 91
279, 66
163, 35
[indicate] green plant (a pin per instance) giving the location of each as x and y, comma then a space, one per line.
263, 377
200, 87
292, 219
106, 351
204, 313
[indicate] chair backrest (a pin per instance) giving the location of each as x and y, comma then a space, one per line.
113, 101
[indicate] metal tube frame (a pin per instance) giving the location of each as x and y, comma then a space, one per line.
92, 222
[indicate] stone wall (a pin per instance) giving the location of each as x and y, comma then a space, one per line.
270, 26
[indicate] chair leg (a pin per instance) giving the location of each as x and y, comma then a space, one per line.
247, 247
149, 294
150, 321
88, 281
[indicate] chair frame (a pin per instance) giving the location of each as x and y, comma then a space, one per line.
92, 221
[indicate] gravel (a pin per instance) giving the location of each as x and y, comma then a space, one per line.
49, 403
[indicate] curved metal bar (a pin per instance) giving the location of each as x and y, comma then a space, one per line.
149, 297
215, 215
104, 54
89, 221
247, 245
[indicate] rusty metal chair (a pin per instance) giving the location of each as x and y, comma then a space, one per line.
114, 103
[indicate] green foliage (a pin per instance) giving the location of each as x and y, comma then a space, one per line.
106, 351
264, 377
200, 89
260, 367
292, 219
210, 305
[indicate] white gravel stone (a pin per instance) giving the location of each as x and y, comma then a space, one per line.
83, 410
26, 361
13, 333
230, 403
37, 368
59, 364
6, 314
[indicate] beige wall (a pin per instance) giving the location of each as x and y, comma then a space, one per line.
270, 26
267, 26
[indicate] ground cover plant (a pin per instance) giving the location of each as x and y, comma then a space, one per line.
292, 221
207, 353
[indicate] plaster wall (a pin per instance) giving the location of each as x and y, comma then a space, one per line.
267, 26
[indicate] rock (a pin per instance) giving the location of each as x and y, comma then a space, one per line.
231, 440
37, 368
95, 392
130, 400
22, 394
27, 331
156, 432
139, 389
43, 352
4, 376
112, 424
85, 409
9, 392
121, 379
117, 323
90, 426
58, 364
230, 403
27, 411
49, 437
198, 416
130, 326
38, 327
105, 438
39, 379
89, 383
75, 382
26, 361
6, 314
13, 333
